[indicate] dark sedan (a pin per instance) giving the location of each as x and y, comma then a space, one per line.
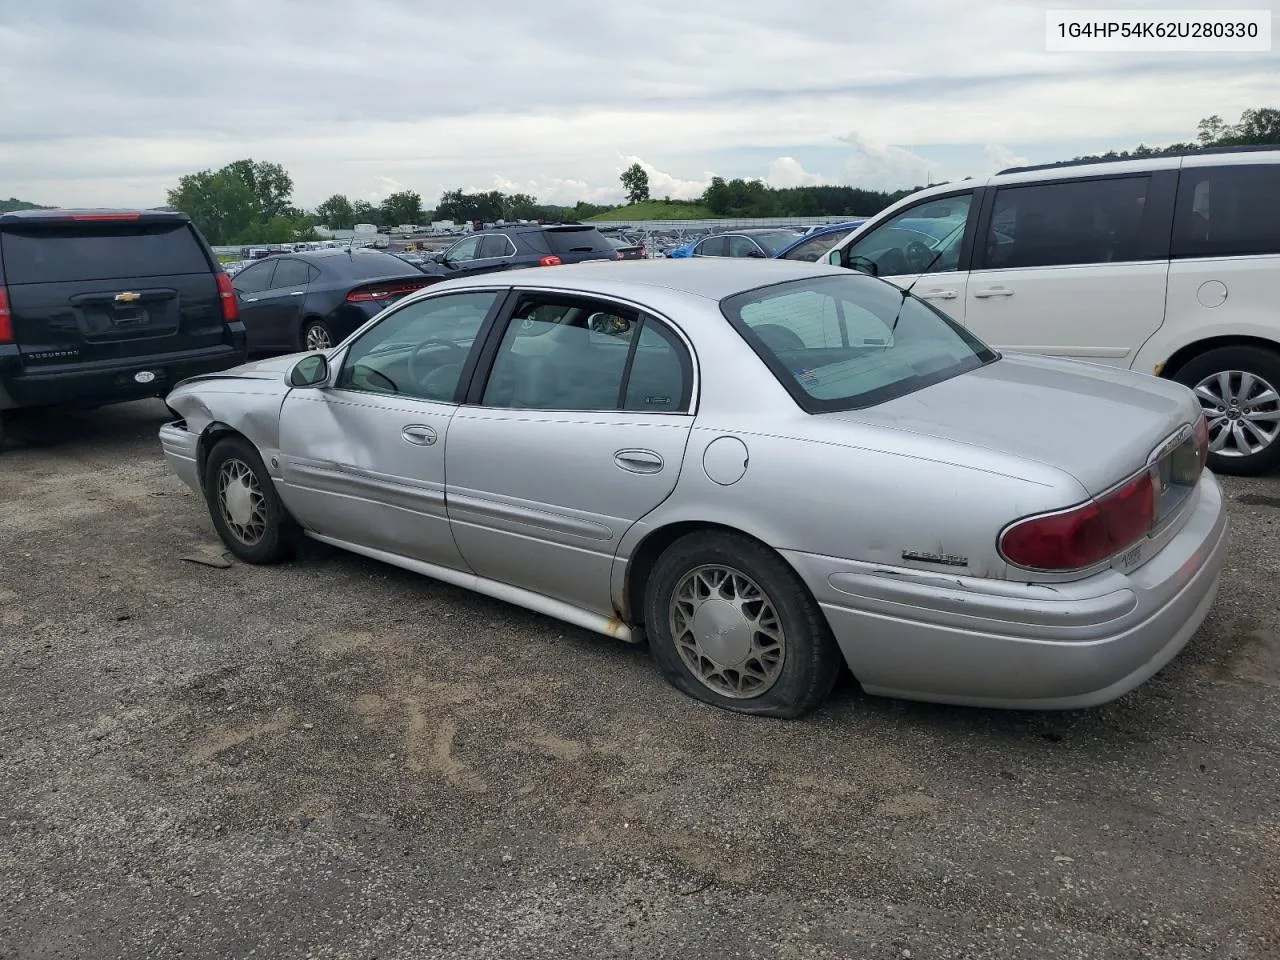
311, 301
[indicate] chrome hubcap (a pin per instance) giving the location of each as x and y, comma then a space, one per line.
1243, 411
241, 503
727, 631
318, 338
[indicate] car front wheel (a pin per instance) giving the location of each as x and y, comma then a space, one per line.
730, 623
246, 511
1239, 392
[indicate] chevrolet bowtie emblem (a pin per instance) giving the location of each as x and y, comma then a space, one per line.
127, 297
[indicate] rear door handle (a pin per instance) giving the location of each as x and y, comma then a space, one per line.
939, 295
418, 434
298, 293
250, 299
639, 461
993, 292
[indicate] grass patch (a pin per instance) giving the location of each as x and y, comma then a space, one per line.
657, 210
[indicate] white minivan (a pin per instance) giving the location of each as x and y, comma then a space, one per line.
1167, 265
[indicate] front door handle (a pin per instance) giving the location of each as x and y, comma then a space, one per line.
639, 461
993, 292
298, 293
250, 299
939, 295
418, 434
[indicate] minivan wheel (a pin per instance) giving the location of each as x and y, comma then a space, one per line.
316, 335
246, 512
731, 624
1239, 392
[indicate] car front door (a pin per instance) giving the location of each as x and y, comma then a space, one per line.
249, 284
363, 457
1073, 268
460, 259
926, 244
577, 431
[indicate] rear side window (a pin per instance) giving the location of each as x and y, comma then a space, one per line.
291, 273
101, 252
1057, 224
1227, 211
589, 240
713, 247
495, 245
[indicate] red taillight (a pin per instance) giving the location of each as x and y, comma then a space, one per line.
227, 294
618, 256
385, 291
1086, 535
551, 261
1201, 433
103, 217
6, 318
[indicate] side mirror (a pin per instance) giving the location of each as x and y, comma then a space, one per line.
836, 258
756, 255
311, 371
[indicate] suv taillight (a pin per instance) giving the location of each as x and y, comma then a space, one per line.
1085, 535
6, 317
551, 261
227, 294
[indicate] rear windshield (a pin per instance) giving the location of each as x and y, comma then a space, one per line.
106, 252
842, 342
581, 240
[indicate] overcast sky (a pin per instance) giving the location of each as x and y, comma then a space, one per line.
108, 102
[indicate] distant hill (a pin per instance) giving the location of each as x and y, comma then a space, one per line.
13, 203
657, 210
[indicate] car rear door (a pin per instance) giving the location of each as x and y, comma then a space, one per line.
1073, 267
108, 287
576, 431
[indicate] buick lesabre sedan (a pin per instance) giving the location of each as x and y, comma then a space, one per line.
762, 468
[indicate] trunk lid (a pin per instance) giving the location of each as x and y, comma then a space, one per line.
105, 290
1098, 424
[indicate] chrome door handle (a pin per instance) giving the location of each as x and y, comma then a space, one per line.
939, 295
250, 299
422, 436
993, 292
298, 293
639, 461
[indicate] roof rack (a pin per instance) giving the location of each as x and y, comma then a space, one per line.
1157, 155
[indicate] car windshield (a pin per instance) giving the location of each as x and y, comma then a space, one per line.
843, 342
775, 240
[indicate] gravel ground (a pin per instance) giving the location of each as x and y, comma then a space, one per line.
334, 758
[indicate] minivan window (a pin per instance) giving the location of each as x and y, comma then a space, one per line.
843, 342
923, 238
1067, 222
1227, 211
104, 251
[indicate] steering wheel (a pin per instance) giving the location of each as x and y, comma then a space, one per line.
416, 372
918, 256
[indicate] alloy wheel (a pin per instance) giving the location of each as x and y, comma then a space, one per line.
1243, 411
318, 338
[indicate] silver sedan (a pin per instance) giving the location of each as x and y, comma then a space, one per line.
765, 469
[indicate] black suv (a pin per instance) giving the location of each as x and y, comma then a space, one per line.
527, 245
104, 306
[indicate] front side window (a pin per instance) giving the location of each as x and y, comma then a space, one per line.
815, 248
419, 350
464, 249
562, 353
925, 238
1227, 211
1073, 222
844, 342
254, 279
744, 247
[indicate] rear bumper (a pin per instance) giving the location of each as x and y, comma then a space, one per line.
180, 446
104, 382
1023, 646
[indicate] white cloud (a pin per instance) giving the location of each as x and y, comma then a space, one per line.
1000, 157
663, 184
878, 166
787, 172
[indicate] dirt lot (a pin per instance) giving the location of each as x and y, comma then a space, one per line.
334, 758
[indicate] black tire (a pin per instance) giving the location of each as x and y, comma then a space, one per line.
1264, 365
811, 661
319, 327
280, 533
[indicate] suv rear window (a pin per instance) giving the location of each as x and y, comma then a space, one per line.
578, 240
840, 343
100, 252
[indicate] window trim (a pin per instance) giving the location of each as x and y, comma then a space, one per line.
487, 357
964, 263
1154, 232
343, 352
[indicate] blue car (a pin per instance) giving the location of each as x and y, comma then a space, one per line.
814, 245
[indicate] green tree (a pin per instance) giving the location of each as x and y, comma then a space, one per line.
336, 213
362, 211
270, 185
636, 182
220, 204
402, 207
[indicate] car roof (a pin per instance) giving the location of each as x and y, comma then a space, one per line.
711, 278
92, 213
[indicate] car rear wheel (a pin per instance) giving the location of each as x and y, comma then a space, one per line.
246, 511
730, 623
316, 335
1239, 392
